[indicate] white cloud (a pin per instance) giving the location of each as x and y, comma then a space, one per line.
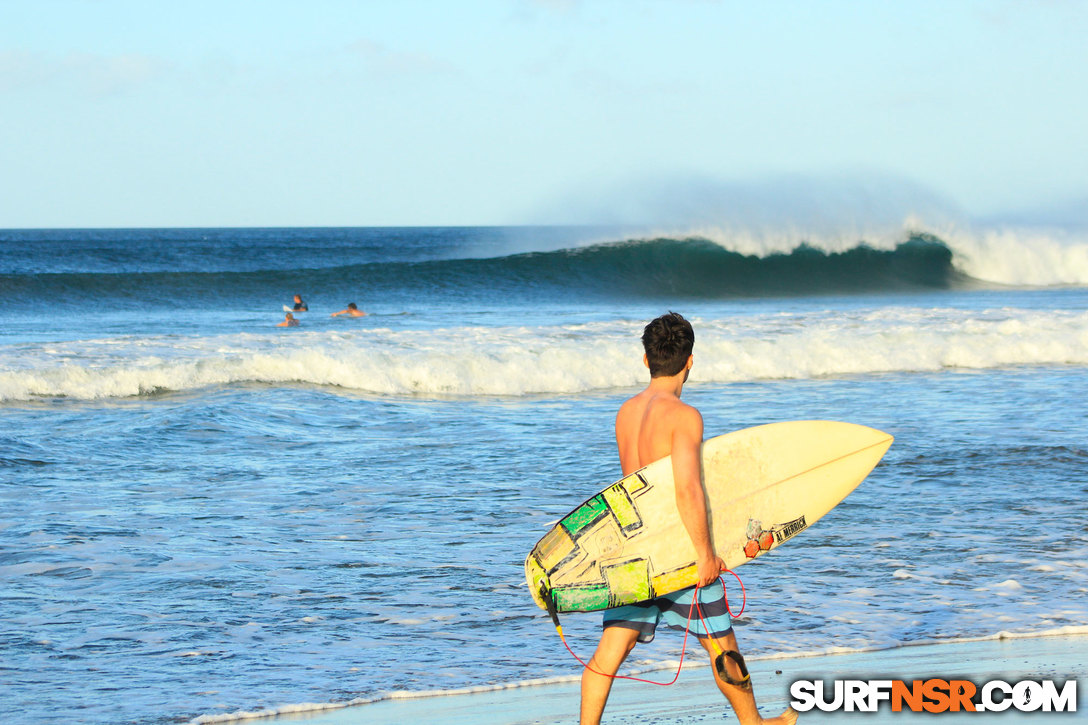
396, 62
89, 73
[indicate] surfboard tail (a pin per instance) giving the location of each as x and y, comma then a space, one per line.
539, 586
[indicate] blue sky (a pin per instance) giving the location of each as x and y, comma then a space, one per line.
330, 113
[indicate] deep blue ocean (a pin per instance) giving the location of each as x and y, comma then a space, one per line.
202, 513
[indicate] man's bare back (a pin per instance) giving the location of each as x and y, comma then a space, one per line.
645, 426
654, 424
649, 426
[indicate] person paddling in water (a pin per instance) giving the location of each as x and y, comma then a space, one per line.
352, 311
300, 306
649, 426
288, 321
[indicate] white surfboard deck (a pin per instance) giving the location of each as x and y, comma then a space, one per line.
764, 485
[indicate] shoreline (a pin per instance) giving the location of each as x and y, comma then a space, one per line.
1056, 654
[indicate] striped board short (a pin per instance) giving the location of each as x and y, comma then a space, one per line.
673, 609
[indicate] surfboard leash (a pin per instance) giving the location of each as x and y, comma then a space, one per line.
743, 595
744, 681
720, 655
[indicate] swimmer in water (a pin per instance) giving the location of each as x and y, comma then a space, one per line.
352, 311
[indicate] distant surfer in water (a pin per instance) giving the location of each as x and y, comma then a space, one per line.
352, 311
288, 321
300, 306
650, 426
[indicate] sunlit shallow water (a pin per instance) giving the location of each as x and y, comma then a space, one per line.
201, 513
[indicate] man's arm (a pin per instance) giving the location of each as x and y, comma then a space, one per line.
687, 441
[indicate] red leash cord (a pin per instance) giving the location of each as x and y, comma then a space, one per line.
687, 630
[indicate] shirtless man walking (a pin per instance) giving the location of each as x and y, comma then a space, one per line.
650, 426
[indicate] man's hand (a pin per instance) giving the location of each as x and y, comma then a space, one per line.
709, 568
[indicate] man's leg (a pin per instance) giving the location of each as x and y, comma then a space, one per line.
742, 699
616, 643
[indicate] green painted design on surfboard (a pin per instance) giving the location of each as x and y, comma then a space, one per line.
585, 515
622, 507
632, 578
583, 599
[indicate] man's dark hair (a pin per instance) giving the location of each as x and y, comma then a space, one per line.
668, 342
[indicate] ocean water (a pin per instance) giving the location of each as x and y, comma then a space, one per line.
204, 514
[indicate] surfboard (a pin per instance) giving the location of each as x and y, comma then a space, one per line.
764, 486
288, 308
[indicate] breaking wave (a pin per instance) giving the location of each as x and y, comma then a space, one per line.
557, 359
710, 265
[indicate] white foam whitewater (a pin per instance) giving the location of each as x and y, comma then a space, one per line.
556, 359
1007, 255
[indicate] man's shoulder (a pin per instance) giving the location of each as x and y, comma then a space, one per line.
686, 416
688, 408
633, 403
675, 407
